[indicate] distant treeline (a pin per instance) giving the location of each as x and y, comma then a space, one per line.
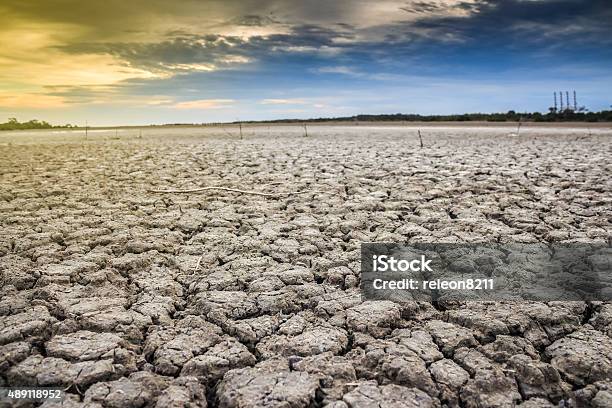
510, 116
13, 124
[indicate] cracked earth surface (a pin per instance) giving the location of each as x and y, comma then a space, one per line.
129, 299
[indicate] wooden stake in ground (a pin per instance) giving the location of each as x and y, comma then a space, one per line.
85, 130
420, 138
305, 131
240, 126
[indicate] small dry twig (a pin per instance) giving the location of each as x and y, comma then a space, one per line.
197, 267
235, 190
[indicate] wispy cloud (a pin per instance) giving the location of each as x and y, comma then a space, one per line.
356, 73
204, 104
344, 70
283, 102
21, 100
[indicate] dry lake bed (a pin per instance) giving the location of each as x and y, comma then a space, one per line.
129, 298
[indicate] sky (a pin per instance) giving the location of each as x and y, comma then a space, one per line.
139, 62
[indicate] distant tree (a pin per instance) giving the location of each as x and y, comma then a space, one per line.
14, 124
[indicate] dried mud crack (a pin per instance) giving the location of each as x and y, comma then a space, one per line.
128, 298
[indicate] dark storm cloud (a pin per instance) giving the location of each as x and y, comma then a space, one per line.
526, 27
422, 7
218, 50
528, 22
532, 35
252, 20
161, 56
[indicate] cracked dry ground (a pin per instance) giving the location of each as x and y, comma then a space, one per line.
130, 299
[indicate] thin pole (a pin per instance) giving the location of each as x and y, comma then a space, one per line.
85, 130
240, 126
305, 131
420, 137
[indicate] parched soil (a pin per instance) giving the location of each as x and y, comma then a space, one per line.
128, 298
